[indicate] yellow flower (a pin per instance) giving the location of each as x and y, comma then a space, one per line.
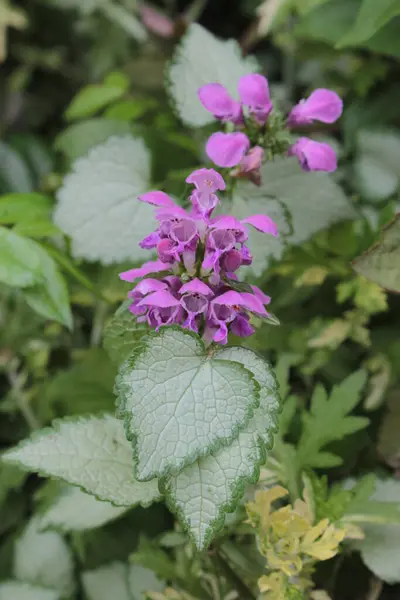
322, 541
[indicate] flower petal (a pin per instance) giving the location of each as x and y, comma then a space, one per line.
196, 287
323, 105
150, 285
230, 298
153, 266
260, 295
216, 99
252, 303
314, 156
161, 299
227, 149
155, 21
157, 199
207, 180
262, 223
254, 92
227, 222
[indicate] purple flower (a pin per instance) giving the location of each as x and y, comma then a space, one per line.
250, 165
254, 92
204, 198
323, 105
163, 309
227, 149
195, 301
314, 156
153, 266
262, 223
216, 99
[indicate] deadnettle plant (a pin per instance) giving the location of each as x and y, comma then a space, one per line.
198, 257
255, 131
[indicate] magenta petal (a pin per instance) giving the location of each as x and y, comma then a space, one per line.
227, 149
314, 156
150, 285
216, 99
207, 180
253, 160
227, 222
155, 21
323, 105
230, 298
262, 223
153, 266
150, 241
161, 299
260, 295
157, 199
254, 90
252, 303
197, 287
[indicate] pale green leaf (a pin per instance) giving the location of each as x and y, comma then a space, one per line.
19, 266
301, 204
49, 297
74, 510
204, 491
180, 403
37, 229
202, 58
44, 559
91, 99
120, 582
328, 420
380, 549
98, 205
371, 17
90, 452
377, 168
122, 334
14, 173
381, 262
15, 590
78, 139
16, 208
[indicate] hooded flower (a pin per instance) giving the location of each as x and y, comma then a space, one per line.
314, 156
322, 105
197, 258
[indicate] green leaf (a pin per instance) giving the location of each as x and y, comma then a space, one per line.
86, 387
120, 581
78, 139
17, 208
380, 550
44, 559
89, 452
300, 203
329, 420
194, 64
37, 229
377, 167
49, 297
11, 478
371, 17
74, 510
180, 403
130, 110
19, 265
123, 334
14, 590
14, 173
93, 98
380, 263
98, 205
204, 491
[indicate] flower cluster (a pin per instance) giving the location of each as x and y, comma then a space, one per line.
257, 127
198, 256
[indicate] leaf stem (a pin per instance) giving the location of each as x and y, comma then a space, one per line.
17, 381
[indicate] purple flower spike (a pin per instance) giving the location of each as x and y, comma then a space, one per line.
148, 286
231, 261
254, 92
227, 149
323, 105
218, 242
314, 156
216, 99
153, 266
241, 326
165, 250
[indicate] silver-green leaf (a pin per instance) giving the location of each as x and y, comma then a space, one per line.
180, 403
206, 490
92, 453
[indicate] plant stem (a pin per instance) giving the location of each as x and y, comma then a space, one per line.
98, 323
21, 400
244, 592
